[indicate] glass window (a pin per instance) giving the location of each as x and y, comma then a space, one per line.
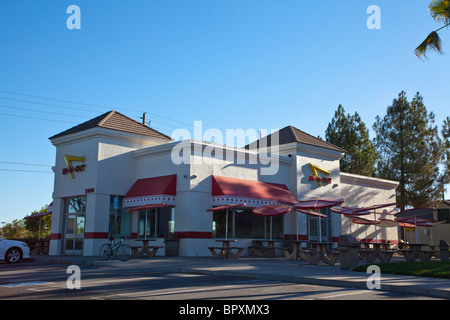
443, 214
119, 218
156, 223
245, 224
325, 226
75, 204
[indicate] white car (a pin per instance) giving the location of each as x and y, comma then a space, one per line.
13, 251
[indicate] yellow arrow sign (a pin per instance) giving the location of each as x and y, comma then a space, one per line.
315, 168
70, 159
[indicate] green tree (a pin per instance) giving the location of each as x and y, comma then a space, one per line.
15, 230
39, 225
446, 152
350, 133
440, 11
409, 149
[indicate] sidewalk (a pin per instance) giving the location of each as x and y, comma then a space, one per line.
275, 269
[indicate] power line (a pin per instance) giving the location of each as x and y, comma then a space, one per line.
82, 103
41, 111
17, 170
26, 164
35, 118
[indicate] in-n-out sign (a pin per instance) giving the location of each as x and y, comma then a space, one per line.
70, 168
315, 177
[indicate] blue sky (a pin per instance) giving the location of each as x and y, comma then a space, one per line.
231, 64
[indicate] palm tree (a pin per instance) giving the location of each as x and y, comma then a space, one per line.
440, 11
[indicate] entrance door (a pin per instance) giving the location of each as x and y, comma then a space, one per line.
75, 214
74, 234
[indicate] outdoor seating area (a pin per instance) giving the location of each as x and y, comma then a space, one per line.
348, 251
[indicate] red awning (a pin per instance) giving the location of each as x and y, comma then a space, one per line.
39, 215
227, 191
272, 210
152, 191
147, 207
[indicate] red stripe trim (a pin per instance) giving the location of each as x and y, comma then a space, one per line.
194, 235
55, 236
96, 235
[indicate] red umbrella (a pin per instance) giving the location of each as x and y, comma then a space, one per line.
226, 208
315, 205
270, 211
318, 203
349, 212
413, 214
373, 209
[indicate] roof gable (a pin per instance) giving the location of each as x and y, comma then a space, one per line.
115, 121
291, 134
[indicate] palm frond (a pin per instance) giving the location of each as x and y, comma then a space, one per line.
440, 10
432, 42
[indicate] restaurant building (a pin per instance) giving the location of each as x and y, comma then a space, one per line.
114, 176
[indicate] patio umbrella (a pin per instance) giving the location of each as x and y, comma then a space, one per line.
373, 209
423, 213
349, 212
362, 221
147, 207
270, 211
430, 224
316, 205
226, 208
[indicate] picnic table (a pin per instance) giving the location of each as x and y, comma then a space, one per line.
414, 251
379, 250
262, 250
296, 252
319, 251
148, 250
225, 251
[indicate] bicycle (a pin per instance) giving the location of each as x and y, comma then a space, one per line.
122, 250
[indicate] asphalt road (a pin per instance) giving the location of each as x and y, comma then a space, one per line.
37, 281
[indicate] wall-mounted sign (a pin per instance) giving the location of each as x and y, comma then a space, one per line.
315, 176
70, 168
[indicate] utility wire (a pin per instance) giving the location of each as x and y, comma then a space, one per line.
16, 170
83, 103
26, 164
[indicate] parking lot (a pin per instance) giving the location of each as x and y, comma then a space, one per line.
135, 281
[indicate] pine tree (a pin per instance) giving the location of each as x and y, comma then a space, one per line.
409, 150
350, 133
